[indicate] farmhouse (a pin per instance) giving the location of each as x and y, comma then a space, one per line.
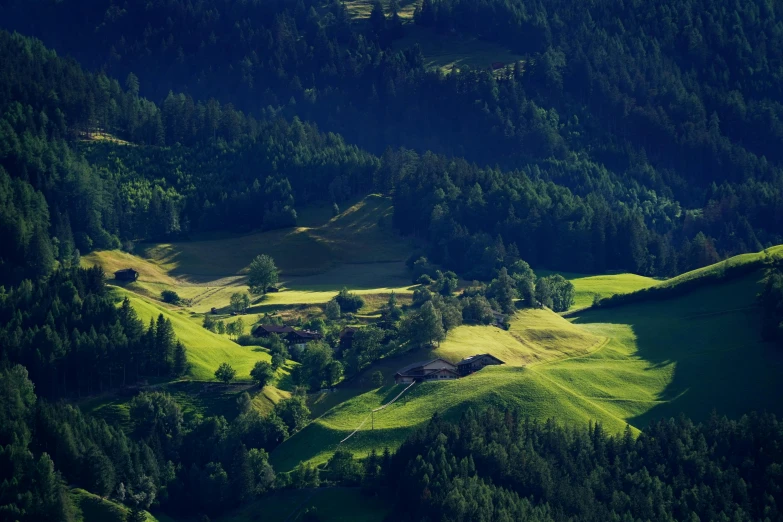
435, 369
476, 362
265, 330
346, 338
126, 274
298, 338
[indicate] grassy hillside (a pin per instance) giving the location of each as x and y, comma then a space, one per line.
586, 287
356, 249
92, 508
712, 270
691, 354
206, 350
453, 51
197, 399
361, 9
353, 236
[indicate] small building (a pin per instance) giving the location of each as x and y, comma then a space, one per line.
346, 338
435, 369
265, 330
272, 289
126, 274
299, 338
476, 362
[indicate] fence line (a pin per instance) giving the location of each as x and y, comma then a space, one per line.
377, 409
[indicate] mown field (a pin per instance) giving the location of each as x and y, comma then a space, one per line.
447, 51
587, 287
694, 354
206, 350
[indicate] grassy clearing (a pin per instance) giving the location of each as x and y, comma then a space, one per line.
741, 259
588, 286
92, 508
206, 350
449, 51
361, 9
289, 505
197, 399
689, 354
354, 236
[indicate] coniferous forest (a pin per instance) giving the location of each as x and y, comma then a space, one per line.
641, 137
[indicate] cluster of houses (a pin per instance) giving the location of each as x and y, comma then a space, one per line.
438, 369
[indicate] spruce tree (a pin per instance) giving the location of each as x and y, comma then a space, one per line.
180, 364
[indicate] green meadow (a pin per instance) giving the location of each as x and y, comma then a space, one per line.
92, 508
587, 287
447, 52
206, 350
691, 354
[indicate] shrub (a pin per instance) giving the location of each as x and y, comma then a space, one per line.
348, 302
170, 296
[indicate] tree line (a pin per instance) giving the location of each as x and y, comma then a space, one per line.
74, 340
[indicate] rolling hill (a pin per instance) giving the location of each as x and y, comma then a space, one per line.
694, 353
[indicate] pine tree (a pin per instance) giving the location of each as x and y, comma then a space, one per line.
164, 344
180, 365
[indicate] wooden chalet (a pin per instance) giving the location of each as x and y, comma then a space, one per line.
126, 274
265, 330
476, 362
298, 338
346, 338
435, 369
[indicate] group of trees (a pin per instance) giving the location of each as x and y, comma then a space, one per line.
73, 339
615, 171
204, 466
499, 465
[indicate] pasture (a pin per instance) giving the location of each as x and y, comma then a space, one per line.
206, 350
692, 354
587, 287
447, 52
93, 508
361, 9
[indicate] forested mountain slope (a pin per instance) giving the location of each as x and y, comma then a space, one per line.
666, 133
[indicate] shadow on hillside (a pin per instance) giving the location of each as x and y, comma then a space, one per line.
720, 362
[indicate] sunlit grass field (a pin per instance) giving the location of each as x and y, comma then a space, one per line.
449, 51
587, 287
692, 354
93, 508
206, 350
353, 236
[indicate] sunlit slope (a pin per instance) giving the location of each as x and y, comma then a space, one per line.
587, 287
705, 346
360, 234
717, 268
691, 354
205, 349
93, 508
534, 336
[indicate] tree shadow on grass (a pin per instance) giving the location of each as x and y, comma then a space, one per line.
712, 338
